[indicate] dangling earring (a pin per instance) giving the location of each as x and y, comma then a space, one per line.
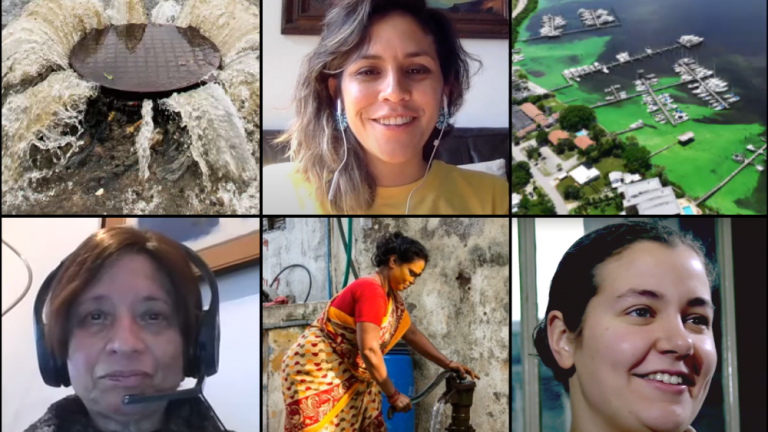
341, 119
442, 118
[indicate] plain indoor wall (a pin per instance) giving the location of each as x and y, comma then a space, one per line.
233, 391
486, 104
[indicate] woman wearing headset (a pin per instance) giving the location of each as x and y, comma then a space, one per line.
333, 376
371, 100
122, 312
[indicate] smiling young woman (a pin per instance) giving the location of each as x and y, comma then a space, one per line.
371, 100
627, 330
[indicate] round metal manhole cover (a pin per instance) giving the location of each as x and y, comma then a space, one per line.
145, 58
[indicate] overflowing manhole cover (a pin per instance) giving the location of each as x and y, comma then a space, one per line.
143, 59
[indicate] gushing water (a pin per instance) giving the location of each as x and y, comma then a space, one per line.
233, 25
437, 410
218, 139
127, 12
48, 116
240, 79
142, 141
40, 40
165, 12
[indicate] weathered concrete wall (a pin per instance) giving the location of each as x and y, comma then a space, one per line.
303, 241
461, 303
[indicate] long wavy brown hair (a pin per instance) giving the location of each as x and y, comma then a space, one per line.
315, 141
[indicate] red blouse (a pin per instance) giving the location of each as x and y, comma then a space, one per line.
364, 300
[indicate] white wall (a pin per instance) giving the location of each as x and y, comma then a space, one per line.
486, 105
233, 391
554, 236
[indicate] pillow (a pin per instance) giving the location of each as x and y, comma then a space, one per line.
496, 167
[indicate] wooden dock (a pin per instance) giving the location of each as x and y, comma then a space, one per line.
659, 104
602, 104
661, 150
712, 92
628, 130
724, 182
631, 59
581, 30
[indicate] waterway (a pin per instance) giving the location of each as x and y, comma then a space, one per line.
735, 44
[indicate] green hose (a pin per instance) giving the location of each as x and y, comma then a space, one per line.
344, 240
349, 252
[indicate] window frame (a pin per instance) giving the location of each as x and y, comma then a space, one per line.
528, 320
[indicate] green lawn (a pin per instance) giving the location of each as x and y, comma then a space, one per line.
609, 165
594, 188
567, 155
555, 104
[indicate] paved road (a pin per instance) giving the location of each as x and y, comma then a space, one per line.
519, 8
543, 182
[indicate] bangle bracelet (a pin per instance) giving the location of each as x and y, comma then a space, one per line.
391, 397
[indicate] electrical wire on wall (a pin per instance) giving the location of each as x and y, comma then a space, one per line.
29, 278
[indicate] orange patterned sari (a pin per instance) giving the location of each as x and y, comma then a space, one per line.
326, 386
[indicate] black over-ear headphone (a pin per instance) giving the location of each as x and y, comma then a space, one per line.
201, 361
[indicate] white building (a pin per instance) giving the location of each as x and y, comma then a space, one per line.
648, 197
618, 178
515, 202
582, 175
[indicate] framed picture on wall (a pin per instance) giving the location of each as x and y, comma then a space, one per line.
473, 19
221, 242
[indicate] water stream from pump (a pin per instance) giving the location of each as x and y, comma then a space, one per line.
437, 410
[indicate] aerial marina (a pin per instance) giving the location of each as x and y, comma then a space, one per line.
688, 88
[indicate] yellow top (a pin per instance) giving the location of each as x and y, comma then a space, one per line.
446, 190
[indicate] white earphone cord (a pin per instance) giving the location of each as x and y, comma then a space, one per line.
437, 141
343, 136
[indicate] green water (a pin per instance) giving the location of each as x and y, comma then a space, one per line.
698, 167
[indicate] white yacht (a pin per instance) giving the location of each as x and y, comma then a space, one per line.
751, 148
690, 40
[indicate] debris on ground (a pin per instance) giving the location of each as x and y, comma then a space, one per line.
130, 129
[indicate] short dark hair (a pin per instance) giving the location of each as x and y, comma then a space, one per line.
405, 250
87, 261
573, 285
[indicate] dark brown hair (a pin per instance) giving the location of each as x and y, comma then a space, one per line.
88, 260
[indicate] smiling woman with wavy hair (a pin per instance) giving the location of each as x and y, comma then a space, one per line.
371, 100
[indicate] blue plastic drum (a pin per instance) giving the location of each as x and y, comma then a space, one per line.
400, 371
